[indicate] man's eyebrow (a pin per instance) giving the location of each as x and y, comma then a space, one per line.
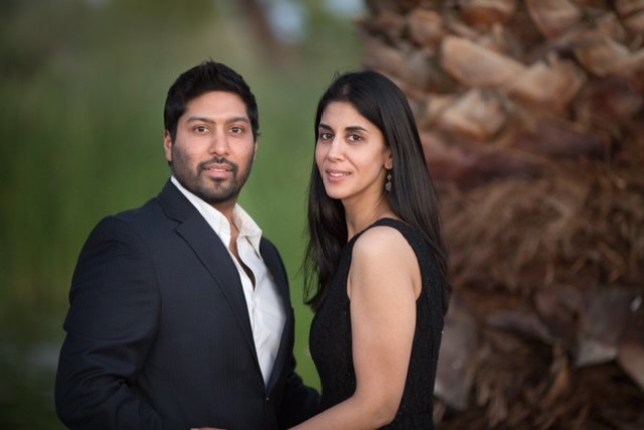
238, 119
211, 121
200, 119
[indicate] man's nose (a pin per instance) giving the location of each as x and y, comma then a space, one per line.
219, 143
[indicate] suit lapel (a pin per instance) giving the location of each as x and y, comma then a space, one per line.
213, 254
276, 267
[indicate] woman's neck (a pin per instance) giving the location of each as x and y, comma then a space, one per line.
360, 216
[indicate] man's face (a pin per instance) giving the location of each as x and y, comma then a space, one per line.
213, 149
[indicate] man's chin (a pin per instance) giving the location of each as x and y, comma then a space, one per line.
224, 196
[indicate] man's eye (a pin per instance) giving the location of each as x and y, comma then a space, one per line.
237, 130
200, 129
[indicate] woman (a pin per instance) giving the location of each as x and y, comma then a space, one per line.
375, 261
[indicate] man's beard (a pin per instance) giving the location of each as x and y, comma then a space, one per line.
211, 190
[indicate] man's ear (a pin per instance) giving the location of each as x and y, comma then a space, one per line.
167, 145
255, 149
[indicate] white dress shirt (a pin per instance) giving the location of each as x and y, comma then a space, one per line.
267, 317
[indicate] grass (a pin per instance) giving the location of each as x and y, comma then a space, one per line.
81, 122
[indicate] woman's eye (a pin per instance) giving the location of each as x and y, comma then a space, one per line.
325, 136
354, 138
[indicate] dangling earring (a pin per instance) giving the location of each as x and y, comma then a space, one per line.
388, 181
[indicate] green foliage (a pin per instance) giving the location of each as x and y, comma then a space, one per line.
83, 84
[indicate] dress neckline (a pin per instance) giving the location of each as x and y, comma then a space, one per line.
380, 221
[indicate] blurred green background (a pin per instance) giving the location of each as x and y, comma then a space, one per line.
82, 89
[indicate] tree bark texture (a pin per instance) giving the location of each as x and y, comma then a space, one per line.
531, 114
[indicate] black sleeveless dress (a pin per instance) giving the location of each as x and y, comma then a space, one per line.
330, 337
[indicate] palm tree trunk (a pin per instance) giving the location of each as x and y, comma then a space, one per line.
532, 119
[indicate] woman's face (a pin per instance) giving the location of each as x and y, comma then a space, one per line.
351, 154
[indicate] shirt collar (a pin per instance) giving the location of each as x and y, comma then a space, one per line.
247, 227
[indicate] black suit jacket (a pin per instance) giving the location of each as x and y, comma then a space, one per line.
158, 333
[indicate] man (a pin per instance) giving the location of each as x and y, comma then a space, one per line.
180, 313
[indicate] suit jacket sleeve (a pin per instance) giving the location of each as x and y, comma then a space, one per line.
110, 326
300, 401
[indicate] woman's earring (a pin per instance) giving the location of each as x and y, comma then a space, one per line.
388, 181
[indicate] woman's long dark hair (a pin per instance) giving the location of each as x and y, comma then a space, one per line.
412, 196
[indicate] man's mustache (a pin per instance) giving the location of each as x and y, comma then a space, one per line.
218, 161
